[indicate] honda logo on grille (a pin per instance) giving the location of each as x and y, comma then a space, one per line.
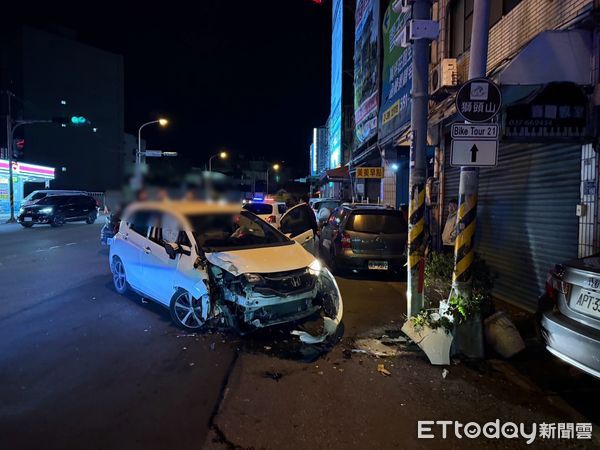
295, 281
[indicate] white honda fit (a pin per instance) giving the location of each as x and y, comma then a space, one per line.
208, 260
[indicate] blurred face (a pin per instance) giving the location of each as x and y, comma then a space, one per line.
452, 207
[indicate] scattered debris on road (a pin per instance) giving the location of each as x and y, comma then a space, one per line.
445, 373
273, 375
382, 370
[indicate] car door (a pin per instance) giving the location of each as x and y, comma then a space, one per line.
135, 238
70, 207
299, 223
84, 206
158, 268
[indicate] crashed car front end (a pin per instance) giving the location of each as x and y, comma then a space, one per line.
257, 300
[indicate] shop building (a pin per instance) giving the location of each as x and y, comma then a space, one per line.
25, 175
538, 206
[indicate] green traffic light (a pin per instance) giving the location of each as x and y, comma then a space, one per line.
78, 120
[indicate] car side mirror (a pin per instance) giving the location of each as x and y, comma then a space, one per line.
172, 249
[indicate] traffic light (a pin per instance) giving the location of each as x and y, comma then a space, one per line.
79, 120
17, 148
74, 121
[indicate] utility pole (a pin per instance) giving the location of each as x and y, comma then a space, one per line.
416, 208
470, 340
11, 188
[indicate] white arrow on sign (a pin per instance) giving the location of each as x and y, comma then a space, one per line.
474, 153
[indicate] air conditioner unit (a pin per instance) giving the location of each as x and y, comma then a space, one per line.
443, 76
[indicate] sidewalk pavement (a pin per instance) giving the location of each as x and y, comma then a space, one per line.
341, 400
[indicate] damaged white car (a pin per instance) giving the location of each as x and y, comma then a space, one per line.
212, 262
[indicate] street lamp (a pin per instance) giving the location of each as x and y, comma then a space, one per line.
275, 167
222, 155
138, 156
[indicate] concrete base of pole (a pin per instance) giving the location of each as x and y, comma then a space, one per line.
468, 338
11, 220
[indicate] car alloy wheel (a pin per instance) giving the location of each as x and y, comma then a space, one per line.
186, 311
119, 278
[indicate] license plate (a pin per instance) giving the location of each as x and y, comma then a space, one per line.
588, 302
27, 219
378, 265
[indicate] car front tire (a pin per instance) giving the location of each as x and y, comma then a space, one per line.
186, 311
91, 218
57, 221
119, 277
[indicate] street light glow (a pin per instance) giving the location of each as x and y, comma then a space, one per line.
275, 166
163, 122
223, 155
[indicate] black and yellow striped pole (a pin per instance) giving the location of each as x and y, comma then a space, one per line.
416, 239
468, 336
466, 218
421, 10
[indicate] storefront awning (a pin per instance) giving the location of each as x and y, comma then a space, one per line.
551, 56
337, 174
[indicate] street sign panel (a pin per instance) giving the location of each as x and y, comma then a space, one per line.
153, 153
474, 131
478, 100
369, 172
474, 153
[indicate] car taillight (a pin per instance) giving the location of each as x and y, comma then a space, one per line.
97, 203
555, 283
345, 240
271, 219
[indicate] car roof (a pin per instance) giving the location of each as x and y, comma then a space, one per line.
368, 206
185, 207
58, 191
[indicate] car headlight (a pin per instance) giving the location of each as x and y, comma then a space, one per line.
21, 211
46, 210
254, 278
315, 267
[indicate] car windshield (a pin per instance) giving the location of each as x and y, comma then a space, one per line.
329, 204
259, 208
34, 196
222, 232
386, 222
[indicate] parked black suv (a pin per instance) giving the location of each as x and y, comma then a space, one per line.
58, 209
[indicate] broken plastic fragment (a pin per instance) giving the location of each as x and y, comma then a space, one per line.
333, 308
382, 370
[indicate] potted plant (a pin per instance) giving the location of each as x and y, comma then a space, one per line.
432, 333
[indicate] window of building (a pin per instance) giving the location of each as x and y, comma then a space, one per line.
460, 22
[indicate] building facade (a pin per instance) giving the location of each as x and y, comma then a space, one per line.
538, 206
53, 76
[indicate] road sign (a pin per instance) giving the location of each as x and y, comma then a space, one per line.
153, 153
475, 153
478, 100
474, 131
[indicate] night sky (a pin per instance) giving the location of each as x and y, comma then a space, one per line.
252, 77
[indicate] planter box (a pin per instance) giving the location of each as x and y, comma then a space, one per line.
435, 343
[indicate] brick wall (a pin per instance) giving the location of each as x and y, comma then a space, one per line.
513, 31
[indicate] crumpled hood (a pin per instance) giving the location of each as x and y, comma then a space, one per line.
262, 260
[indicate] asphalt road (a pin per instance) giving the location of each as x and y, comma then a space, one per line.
82, 367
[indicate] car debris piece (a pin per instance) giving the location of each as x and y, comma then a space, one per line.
273, 375
502, 335
374, 347
382, 370
445, 373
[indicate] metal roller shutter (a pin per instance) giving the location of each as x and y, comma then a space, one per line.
526, 218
